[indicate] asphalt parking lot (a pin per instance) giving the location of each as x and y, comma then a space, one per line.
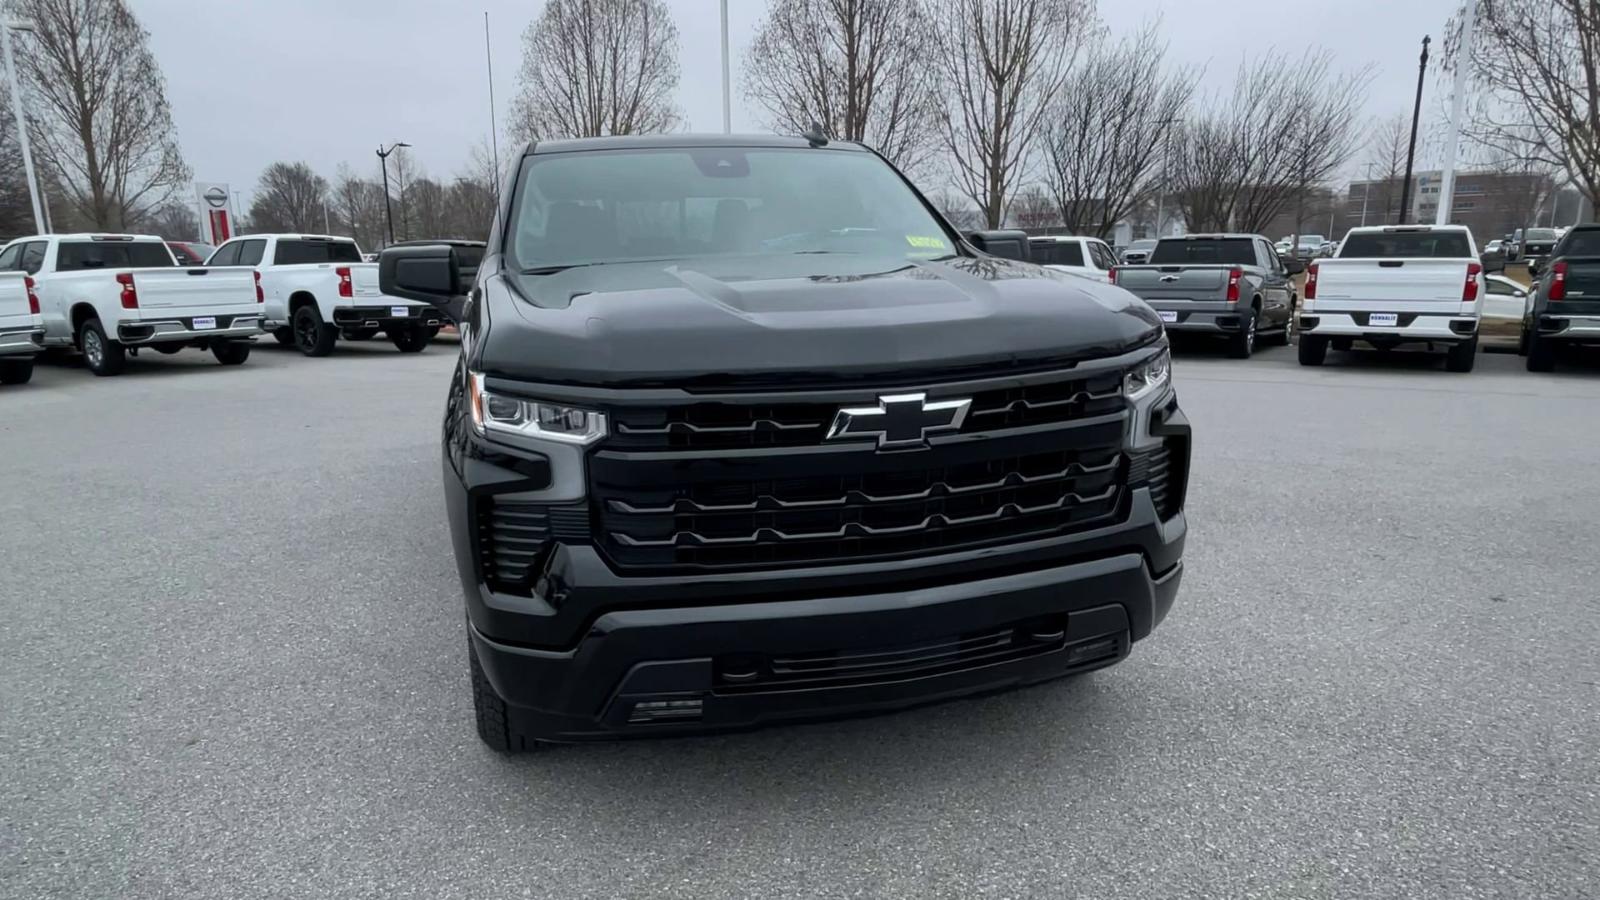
232, 664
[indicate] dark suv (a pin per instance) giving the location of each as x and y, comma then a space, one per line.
1565, 309
744, 432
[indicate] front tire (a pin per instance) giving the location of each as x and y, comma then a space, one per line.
1313, 350
409, 339
231, 353
1463, 356
1241, 345
311, 336
103, 356
496, 727
16, 371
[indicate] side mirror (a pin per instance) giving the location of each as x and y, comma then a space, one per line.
431, 274
1295, 266
1533, 267
1007, 244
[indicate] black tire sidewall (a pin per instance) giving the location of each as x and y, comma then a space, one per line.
112, 358
16, 370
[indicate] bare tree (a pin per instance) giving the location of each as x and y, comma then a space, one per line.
1538, 64
1004, 60
1109, 127
16, 209
856, 67
597, 67
957, 209
1288, 126
103, 128
403, 172
1034, 208
175, 221
289, 197
357, 206
427, 208
471, 198
1385, 168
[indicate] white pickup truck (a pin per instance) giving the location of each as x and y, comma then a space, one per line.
1394, 285
21, 326
317, 290
111, 294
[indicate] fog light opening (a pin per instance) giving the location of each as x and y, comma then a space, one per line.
646, 712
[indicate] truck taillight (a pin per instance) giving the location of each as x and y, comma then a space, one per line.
1558, 281
261, 296
1311, 282
1234, 277
130, 294
346, 289
1469, 291
28, 284
1111, 274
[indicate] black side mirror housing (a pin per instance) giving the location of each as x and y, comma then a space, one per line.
1003, 243
429, 273
1533, 267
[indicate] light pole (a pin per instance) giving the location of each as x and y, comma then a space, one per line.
1411, 149
383, 160
727, 113
22, 127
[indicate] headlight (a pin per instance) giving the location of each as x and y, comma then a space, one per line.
1148, 376
531, 418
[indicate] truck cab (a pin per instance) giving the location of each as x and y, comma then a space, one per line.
1396, 285
743, 432
111, 295
317, 290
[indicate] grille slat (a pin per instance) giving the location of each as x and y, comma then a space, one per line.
838, 669
732, 425
514, 536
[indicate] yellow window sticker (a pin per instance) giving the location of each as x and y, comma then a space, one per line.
926, 242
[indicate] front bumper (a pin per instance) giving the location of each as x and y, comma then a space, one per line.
1410, 327
692, 669
182, 328
26, 340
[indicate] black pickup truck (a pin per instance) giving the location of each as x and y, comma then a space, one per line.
743, 432
1565, 309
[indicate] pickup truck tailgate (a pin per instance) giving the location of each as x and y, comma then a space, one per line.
1581, 277
1175, 282
14, 309
1391, 280
364, 283
173, 289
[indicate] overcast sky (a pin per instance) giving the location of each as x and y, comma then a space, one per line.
324, 81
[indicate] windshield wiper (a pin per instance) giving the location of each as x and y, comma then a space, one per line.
551, 270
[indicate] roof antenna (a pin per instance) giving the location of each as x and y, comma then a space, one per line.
815, 135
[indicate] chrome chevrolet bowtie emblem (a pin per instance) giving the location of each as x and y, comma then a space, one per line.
899, 420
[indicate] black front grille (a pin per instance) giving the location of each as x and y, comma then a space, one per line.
513, 537
844, 668
713, 517
735, 425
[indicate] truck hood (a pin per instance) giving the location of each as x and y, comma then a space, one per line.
791, 318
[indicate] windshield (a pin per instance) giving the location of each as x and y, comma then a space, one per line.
1142, 245
1406, 245
78, 255
634, 205
1205, 251
1541, 234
